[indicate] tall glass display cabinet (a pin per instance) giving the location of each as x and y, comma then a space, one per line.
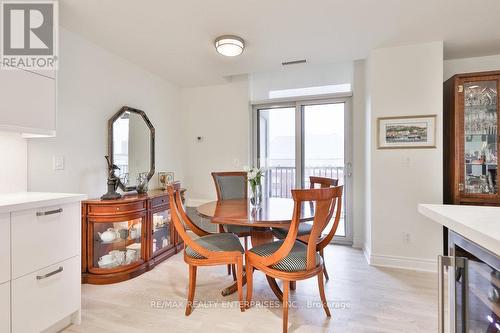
470, 141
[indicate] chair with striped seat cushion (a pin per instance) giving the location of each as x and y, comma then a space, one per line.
206, 250
295, 261
232, 185
216, 243
306, 228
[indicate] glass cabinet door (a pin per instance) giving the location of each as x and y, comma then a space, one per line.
480, 136
117, 244
161, 232
477, 294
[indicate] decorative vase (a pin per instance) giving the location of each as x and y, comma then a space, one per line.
256, 195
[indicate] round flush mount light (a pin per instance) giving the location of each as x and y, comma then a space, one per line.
229, 45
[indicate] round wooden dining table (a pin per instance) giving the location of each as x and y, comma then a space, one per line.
273, 213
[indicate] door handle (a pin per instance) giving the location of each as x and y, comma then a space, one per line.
348, 167
452, 262
441, 264
41, 277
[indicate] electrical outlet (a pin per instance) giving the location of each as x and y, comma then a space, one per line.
406, 238
236, 162
58, 163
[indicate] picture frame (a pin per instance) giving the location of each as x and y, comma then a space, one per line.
165, 178
170, 177
406, 132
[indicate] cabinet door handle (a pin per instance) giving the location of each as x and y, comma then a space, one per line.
49, 212
41, 277
441, 265
454, 263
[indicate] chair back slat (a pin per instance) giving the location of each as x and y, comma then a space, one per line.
337, 208
230, 185
322, 182
185, 218
178, 221
325, 200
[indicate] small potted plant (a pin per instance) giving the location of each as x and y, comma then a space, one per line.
254, 176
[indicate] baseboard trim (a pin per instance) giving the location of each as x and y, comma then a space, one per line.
414, 264
367, 255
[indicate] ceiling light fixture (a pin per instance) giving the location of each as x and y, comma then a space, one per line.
229, 45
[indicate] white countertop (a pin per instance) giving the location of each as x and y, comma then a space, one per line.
479, 224
10, 202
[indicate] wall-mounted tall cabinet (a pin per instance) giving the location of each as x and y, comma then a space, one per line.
28, 101
471, 139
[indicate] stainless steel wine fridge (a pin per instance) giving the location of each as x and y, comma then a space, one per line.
473, 288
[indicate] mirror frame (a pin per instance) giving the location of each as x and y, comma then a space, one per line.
152, 143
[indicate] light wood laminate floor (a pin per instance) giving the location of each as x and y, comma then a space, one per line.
363, 299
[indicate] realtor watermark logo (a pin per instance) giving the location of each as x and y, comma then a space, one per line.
29, 35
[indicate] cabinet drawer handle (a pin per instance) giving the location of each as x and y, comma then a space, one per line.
49, 212
41, 277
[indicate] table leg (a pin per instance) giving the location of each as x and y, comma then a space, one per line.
262, 236
259, 236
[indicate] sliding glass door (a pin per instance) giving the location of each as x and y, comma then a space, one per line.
277, 150
294, 141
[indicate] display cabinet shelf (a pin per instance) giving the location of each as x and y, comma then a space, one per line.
126, 237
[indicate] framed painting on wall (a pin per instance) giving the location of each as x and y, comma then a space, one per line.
406, 132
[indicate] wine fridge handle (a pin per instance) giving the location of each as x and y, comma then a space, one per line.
440, 294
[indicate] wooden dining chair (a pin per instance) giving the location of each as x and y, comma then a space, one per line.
207, 250
291, 260
232, 185
306, 228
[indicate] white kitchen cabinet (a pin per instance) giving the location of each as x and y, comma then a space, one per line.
4, 248
44, 297
43, 236
42, 233
5, 307
28, 102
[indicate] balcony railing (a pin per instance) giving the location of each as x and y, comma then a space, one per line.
281, 180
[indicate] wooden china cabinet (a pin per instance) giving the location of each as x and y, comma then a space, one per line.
471, 140
126, 237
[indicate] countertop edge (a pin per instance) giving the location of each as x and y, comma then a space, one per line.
480, 238
19, 206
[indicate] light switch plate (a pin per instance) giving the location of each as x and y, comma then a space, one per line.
58, 163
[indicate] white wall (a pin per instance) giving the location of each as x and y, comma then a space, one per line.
358, 138
13, 163
92, 85
221, 115
469, 65
299, 76
405, 81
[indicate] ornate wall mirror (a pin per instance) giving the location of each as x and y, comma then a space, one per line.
131, 147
